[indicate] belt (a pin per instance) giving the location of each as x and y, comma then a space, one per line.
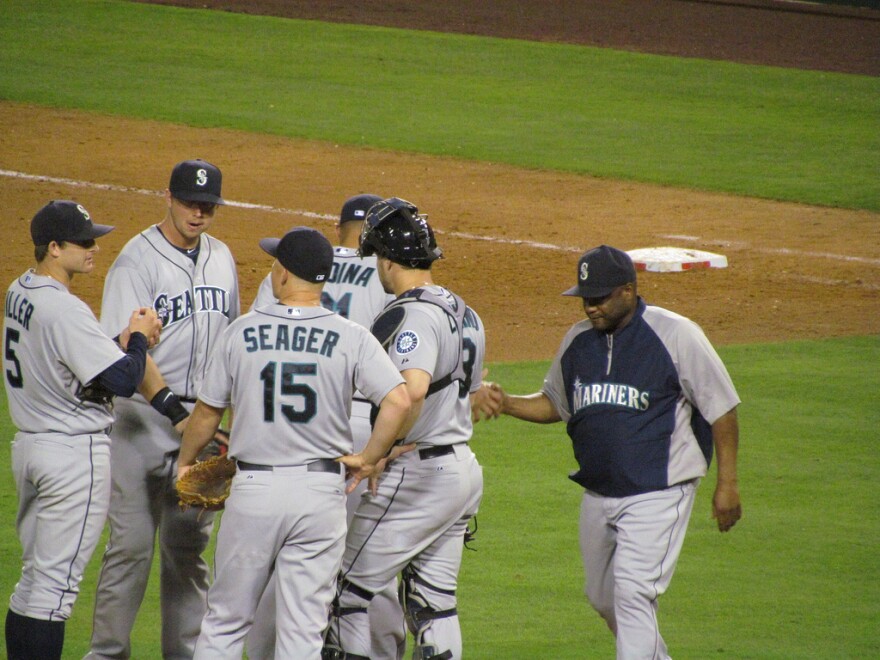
321, 465
184, 399
437, 450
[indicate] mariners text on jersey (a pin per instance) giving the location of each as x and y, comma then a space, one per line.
19, 308
203, 298
615, 394
282, 337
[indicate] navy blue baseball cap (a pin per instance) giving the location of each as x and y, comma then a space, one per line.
63, 220
355, 208
196, 181
601, 270
303, 251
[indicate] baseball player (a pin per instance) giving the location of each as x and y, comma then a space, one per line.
414, 524
352, 290
61, 373
645, 397
289, 369
190, 279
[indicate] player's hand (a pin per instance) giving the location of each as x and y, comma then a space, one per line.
182, 470
146, 321
124, 336
396, 450
726, 506
487, 402
356, 470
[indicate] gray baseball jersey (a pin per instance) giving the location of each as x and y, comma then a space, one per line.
196, 301
427, 339
289, 373
417, 520
53, 346
45, 330
353, 289
299, 364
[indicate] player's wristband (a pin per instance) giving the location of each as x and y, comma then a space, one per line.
168, 403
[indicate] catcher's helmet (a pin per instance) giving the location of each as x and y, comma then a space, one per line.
395, 230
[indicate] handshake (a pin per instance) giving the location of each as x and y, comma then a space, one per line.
147, 322
488, 401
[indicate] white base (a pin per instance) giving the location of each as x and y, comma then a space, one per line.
674, 260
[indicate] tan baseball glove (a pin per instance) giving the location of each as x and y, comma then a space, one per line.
206, 484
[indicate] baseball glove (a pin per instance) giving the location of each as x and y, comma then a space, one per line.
206, 484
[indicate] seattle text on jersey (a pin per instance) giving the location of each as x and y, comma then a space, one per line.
203, 298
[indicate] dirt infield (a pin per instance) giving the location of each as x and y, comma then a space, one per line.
795, 270
512, 237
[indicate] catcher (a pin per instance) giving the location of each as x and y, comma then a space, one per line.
289, 369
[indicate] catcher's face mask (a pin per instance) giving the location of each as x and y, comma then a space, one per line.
394, 229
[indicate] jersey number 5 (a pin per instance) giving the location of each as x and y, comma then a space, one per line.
289, 370
14, 379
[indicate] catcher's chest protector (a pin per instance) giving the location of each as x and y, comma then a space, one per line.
388, 323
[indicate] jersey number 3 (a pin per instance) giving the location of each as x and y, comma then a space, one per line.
289, 371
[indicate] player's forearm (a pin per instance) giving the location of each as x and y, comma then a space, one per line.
725, 436
394, 412
200, 429
417, 383
159, 396
122, 377
531, 408
153, 380
411, 418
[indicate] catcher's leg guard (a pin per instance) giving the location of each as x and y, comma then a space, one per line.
351, 602
423, 604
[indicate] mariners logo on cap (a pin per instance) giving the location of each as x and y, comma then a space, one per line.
407, 341
202, 177
585, 267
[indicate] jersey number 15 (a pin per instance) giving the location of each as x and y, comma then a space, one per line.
289, 371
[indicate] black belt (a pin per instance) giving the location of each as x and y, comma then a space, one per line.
436, 450
321, 465
186, 400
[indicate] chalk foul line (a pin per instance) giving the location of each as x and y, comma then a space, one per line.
455, 234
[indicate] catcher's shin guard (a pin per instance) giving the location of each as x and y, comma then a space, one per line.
420, 615
333, 644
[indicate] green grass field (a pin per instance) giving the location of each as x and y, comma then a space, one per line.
796, 578
779, 133
799, 576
